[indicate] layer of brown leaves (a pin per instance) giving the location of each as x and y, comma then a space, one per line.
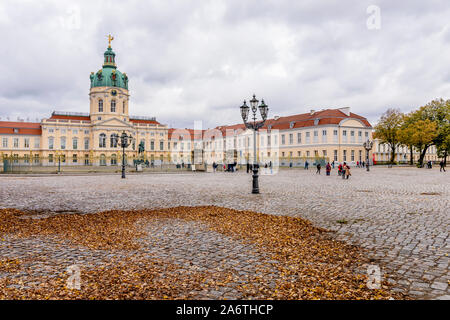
311, 264
124, 279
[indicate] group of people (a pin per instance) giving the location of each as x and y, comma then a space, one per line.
360, 164
343, 169
267, 166
230, 167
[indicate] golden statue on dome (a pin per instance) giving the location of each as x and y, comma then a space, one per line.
110, 38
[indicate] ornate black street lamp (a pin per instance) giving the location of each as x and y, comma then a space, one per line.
368, 146
59, 163
255, 125
125, 141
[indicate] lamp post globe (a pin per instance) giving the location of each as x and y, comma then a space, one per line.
254, 104
244, 111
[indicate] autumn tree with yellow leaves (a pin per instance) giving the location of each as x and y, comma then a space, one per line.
388, 128
427, 126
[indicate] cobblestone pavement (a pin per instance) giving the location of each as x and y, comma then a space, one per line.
401, 214
196, 248
189, 245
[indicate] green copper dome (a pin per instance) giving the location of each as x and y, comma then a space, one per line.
109, 76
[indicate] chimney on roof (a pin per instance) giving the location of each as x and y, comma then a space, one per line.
312, 112
345, 110
276, 117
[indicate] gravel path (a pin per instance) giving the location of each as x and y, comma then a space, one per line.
403, 214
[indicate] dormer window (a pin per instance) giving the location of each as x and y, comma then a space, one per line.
291, 124
16, 130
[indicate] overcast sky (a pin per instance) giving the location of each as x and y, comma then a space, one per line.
199, 59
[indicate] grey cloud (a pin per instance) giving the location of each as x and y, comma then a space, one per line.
197, 60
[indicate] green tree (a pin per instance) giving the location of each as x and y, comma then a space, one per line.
388, 128
443, 146
437, 112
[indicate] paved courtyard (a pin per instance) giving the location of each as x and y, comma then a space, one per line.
401, 215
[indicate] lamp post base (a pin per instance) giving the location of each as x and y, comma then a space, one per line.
255, 188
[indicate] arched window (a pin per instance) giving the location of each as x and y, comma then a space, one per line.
113, 159
113, 143
102, 160
100, 105
50, 142
113, 105
102, 140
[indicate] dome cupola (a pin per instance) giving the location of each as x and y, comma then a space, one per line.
109, 75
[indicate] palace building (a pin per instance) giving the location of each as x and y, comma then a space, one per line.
330, 135
87, 138
80, 139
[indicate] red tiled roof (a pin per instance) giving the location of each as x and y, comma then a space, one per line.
144, 121
62, 117
327, 116
24, 128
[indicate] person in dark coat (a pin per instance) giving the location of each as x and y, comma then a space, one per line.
343, 171
328, 169
318, 168
442, 166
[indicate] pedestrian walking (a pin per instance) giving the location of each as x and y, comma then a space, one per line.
347, 172
344, 168
442, 166
318, 168
270, 166
306, 165
328, 169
